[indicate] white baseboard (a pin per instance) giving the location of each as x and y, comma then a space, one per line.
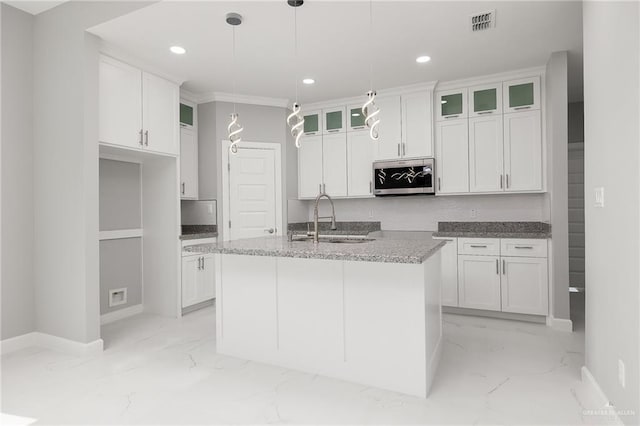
560, 324
601, 398
49, 341
120, 314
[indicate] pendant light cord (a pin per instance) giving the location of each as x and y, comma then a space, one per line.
371, 44
295, 47
233, 66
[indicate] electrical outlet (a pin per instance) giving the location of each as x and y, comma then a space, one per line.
622, 376
599, 196
117, 297
473, 213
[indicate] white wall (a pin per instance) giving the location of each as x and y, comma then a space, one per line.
557, 104
66, 258
612, 155
422, 213
17, 290
576, 194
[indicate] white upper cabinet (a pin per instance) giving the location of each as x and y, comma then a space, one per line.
359, 164
523, 151
452, 153
160, 114
188, 164
485, 99
309, 166
120, 104
390, 128
355, 118
137, 109
334, 164
521, 95
312, 123
334, 120
451, 104
417, 140
486, 172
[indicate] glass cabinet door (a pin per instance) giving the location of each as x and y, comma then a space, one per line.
334, 121
521, 95
355, 117
485, 99
312, 125
186, 115
451, 104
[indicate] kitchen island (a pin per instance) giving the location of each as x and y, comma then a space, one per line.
367, 312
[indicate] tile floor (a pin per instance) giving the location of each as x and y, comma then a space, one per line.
165, 371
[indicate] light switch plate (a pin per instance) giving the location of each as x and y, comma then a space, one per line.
622, 375
599, 196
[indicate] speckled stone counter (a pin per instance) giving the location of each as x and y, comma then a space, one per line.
539, 230
384, 250
343, 228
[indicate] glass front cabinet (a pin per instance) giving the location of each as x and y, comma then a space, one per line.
334, 120
312, 123
485, 100
451, 104
521, 95
355, 118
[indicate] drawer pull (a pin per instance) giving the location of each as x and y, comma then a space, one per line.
524, 247
478, 246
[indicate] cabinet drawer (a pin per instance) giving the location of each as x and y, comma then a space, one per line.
523, 247
479, 246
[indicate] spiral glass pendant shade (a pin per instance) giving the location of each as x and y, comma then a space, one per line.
295, 120
371, 115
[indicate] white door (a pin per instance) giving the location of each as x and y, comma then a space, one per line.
206, 278
334, 164
479, 282
120, 104
523, 151
449, 267
452, 156
188, 164
309, 166
390, 128
359, 164
485, 154
190, 275
525, 287
252, 193
416, 124
160, 114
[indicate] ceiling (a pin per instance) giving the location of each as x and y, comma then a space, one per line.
333, 46
34, 6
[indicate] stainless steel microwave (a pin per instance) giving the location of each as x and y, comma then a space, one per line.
404, 177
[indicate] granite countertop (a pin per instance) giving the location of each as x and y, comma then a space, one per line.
342, 228
194, 232
539, 230
385, 249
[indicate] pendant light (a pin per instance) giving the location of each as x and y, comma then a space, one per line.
295, 120
370, 109
234, 129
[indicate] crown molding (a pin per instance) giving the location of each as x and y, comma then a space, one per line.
203, 98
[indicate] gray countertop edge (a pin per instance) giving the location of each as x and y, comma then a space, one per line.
198, 235
411, 259
533, 235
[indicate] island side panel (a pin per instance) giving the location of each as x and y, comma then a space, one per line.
248, 307
310, 314
385, 330
433, 320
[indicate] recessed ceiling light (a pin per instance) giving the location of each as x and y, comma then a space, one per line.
178, 50
308, 81
423, 59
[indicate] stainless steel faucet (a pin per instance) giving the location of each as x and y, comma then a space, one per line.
315, 216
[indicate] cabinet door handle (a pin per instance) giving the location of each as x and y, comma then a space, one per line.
140, 140
504, 267
478, 246
500, 181
146, 138
398, 150
320, 187
370, 187
497, 267
324, 188
203, 267
451, 116
439, 185
199, 263
183, 188
404, 149
522, 107
507, 180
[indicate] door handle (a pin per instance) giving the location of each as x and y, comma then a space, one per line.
507, 180
398, 150
199, 259
439, 186
203, 263
270, 230
404, 149
504, 267
140, 140
501, 181
370, 187
146, 138
183, 190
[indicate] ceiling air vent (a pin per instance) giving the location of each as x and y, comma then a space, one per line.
483, 21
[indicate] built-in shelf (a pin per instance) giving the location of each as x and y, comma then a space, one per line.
120, 234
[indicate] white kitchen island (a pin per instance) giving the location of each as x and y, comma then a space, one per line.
368, 313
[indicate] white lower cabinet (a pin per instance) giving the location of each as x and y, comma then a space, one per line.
524, 285
479, 282
198, 279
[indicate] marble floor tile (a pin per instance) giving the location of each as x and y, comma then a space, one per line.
157, 370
